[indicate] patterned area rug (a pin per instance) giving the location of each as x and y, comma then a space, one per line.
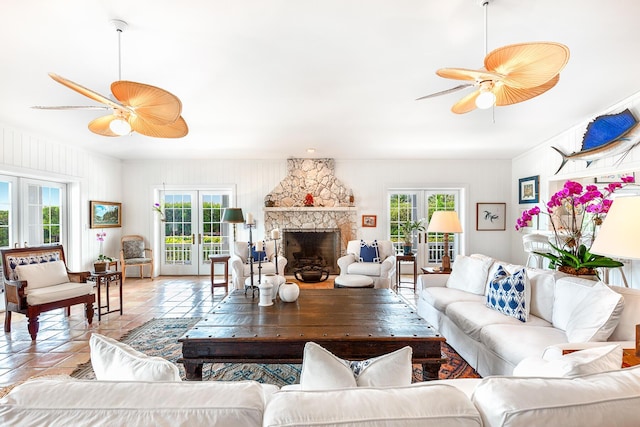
159, 337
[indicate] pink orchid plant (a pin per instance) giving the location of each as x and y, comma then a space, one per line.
576, 212
100, 237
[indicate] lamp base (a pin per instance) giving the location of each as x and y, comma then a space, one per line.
446, 264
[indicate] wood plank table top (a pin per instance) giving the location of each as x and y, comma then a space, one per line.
354, 324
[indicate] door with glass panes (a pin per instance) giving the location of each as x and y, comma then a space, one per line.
192, 230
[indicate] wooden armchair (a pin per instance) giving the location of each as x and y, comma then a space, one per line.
133, 253
37, 280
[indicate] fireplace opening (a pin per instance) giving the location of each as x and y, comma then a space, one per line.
312, 249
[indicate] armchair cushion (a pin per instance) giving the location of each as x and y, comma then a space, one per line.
14, 261
42, 275
133, 249
258, 255
369, 252
58, 292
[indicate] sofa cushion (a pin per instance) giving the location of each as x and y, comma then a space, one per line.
116, 361
58, 292
422, 404
469, 274
508, 293
369, 252
43, 274
322, 370
517, 341
440, 298
56, 402
365, 268
564, 301
604, 399
133, 249
630, 317
594, 311
542, 284
14, 261
583, 362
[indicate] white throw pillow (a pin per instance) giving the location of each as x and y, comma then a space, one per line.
43, 274
469, 274
583, 362
596, 315
115, 361
322, 370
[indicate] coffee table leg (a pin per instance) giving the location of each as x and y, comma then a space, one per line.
193, 370
430, 371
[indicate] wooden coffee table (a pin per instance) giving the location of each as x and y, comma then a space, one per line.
353, 324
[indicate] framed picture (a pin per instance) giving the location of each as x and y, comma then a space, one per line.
617, 177
369, 220
105, 214
491, 216
529, 189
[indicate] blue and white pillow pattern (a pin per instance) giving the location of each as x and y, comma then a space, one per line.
14, 261
507, 293
369, 253
258, 255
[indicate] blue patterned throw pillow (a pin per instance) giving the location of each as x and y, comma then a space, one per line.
258, 255
507, 293
369, 253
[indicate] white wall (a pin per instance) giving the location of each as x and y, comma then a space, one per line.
89, 177
544, 161
486, 181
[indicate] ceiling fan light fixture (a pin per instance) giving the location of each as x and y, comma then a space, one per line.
485, 100
120, 127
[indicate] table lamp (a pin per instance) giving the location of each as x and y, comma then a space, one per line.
445, 222
233, 216
619, 236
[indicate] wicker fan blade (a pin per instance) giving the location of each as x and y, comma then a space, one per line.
527, 65
466, 104
101, 125
467, 74
444, 92
72, 107
86, 92
177, 129
506, 95
154, 105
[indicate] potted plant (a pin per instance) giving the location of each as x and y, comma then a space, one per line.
100, 265
406, 229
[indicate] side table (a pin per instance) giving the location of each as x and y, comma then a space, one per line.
430, 270
406, 258
106, 278
220, 259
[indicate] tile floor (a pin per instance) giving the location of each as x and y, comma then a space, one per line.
63, 342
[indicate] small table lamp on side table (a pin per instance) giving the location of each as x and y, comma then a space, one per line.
445, 222
619, 236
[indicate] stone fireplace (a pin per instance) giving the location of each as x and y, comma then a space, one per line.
317, 233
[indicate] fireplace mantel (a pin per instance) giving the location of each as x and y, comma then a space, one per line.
311, 209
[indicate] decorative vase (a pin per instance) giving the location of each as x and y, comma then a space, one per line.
99, 267
406, 249
265, 294
276, 281
289, 292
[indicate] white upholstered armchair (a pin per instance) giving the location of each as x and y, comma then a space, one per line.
382, 271
241, 269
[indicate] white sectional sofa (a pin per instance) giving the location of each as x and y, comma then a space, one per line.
609, 398
565, 312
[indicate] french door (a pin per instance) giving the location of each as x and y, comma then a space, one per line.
192, 230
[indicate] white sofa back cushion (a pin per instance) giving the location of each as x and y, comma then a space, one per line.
116, 361
605, 399
583, 362
422, 404
43, 274
56, 402
469, 274
586, 313
543, 284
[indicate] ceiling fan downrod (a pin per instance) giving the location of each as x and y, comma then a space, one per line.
120, 26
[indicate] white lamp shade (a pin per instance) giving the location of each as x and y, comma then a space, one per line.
444, 222
619, 235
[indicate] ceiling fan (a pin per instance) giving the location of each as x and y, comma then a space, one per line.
511, 74
137, 107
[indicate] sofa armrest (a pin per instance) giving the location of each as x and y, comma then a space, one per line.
432, 281
555, 351
387, 266
344, 261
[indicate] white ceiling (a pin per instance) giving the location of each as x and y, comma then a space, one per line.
270, 78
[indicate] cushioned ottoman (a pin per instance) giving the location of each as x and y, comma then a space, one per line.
353, 281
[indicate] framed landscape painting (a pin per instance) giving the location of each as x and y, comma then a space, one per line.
491, 216
529, 189
105, 214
